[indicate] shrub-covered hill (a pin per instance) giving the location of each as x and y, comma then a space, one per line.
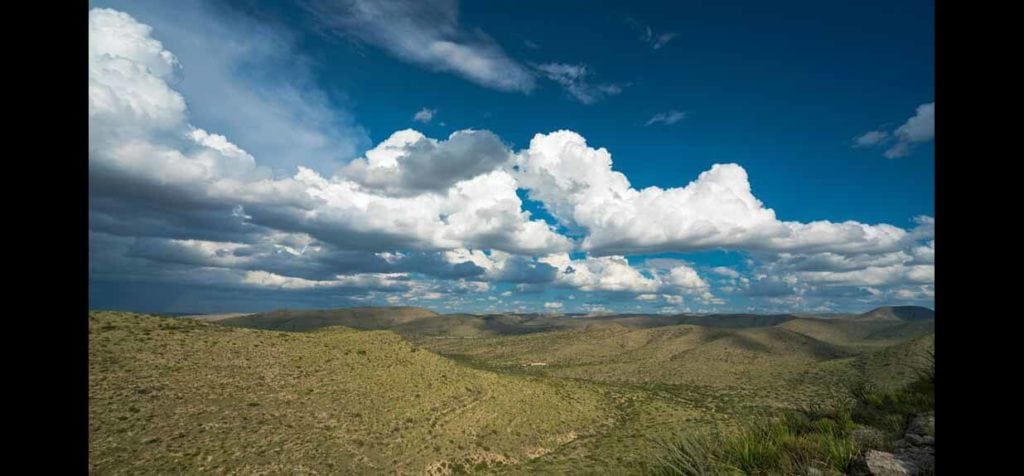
185, 396
882, 326
671, 354
312, 319
511, 393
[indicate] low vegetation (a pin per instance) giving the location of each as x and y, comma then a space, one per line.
294, 392
183, 396
826, 438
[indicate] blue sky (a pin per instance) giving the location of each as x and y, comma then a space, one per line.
827, 109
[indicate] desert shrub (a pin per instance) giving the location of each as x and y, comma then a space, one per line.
791, 444
695, 455
891, 410
785, 443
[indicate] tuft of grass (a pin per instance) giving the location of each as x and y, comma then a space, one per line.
693, 455
790, 444
891, 410
819, 436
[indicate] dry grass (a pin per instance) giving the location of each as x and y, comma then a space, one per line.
176, 395
184, 396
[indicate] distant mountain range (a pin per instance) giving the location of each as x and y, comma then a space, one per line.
899, 313
420, 322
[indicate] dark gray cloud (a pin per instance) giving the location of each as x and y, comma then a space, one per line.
524, 270
422, 165
769, 287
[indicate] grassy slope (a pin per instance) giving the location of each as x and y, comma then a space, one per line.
780, 365
175, 395
860, 334
671, 354
606, 391
898, 364
417, 322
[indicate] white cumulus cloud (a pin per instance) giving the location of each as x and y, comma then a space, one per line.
717, 210
174, 201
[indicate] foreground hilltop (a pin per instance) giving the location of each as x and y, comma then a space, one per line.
185, 396
447, 394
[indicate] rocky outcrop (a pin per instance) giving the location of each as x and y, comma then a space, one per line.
923, 424
914, 454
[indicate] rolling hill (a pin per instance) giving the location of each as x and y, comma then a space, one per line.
898, 313
418, 322
680, 354
873, 329
184, 396
312, 319
441, 394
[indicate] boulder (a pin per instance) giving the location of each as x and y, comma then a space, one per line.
922, 425
907, 460
920, 457
913, 454
881, 463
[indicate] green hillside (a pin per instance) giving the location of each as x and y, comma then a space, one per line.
418, 322
183, 396
755, 364
900, 363
441, 394
735, 321
899, 313
860, 333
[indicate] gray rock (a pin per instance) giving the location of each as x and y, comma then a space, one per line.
880, 463
922, 425
921, 457
914, 440
913, 454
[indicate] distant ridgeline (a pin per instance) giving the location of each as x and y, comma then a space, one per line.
418, 322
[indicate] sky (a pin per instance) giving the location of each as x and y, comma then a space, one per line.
511, 156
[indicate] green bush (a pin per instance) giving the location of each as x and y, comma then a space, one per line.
788, 444
819, 436
694, 455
